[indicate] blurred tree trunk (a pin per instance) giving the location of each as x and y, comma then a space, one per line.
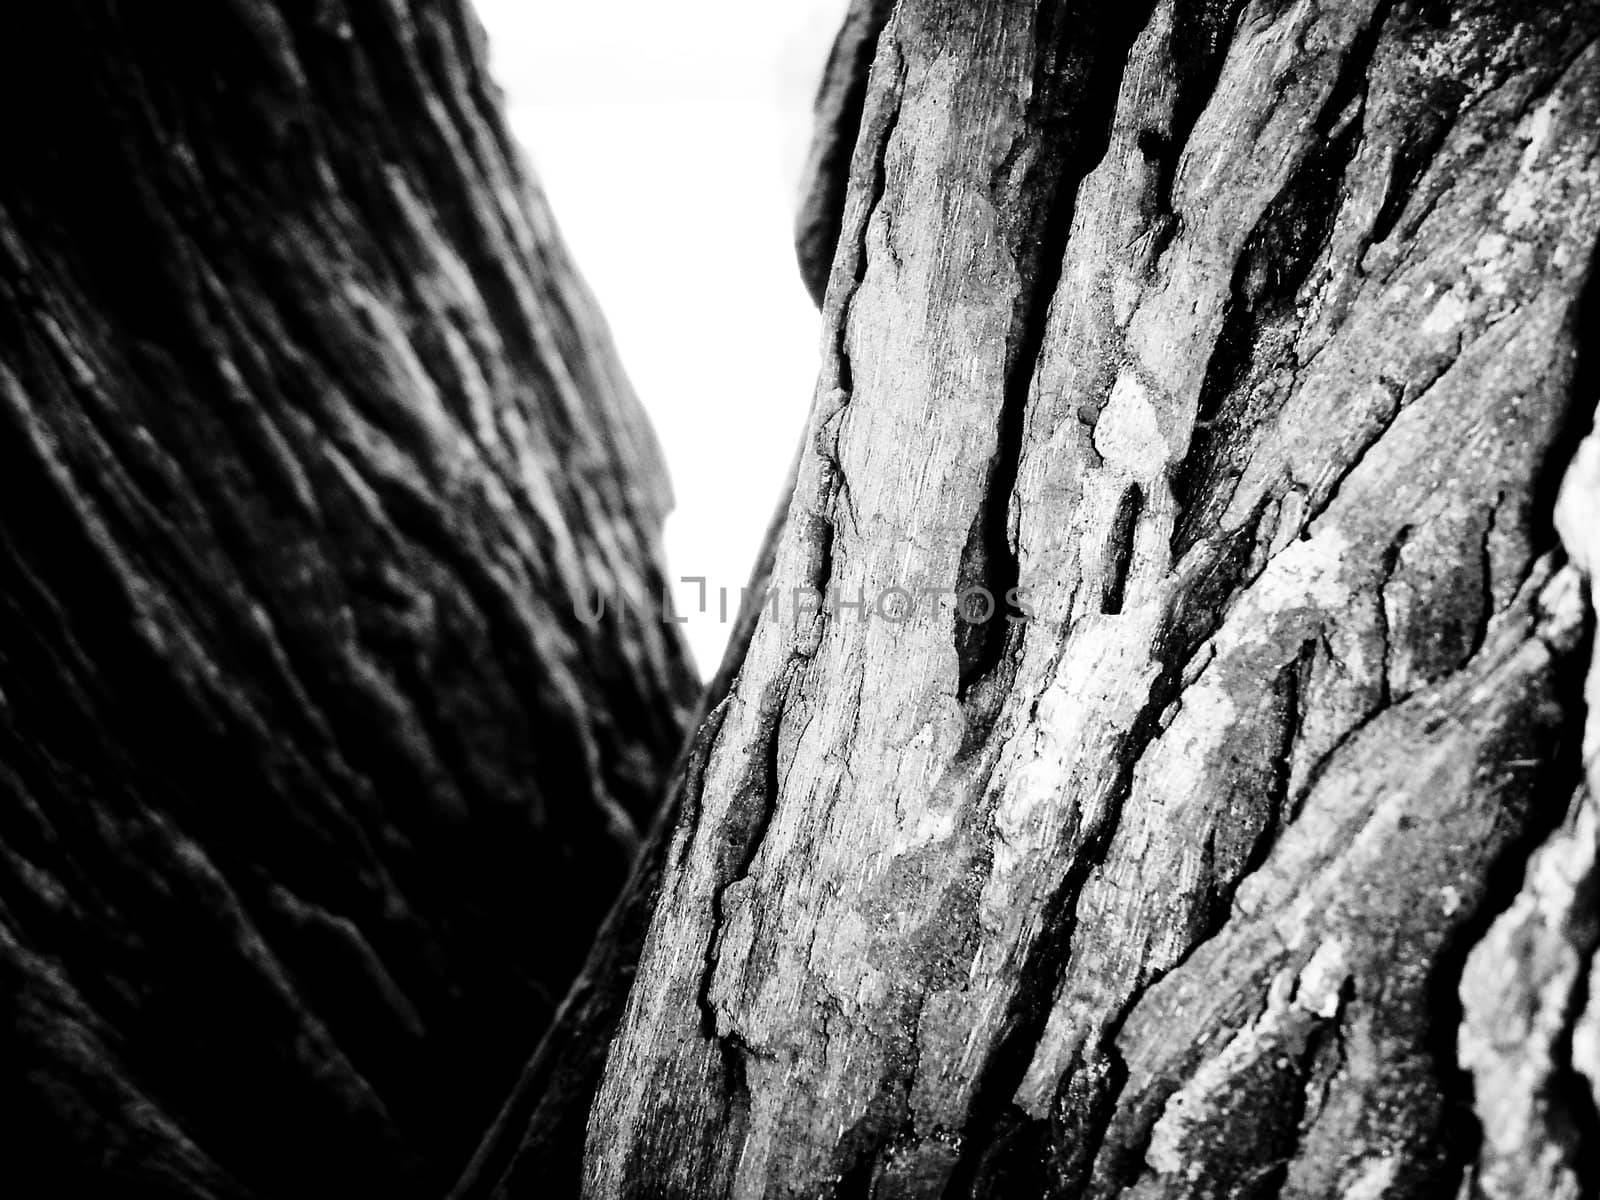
315, 779
1250, 342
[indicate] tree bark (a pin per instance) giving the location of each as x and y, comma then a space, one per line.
1233, 349
316, 775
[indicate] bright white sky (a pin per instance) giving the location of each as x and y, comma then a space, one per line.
669, 139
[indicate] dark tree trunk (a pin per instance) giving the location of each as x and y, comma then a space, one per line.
1246, 339
314, 782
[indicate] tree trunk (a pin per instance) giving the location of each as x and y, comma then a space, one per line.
1231, 351
316, 774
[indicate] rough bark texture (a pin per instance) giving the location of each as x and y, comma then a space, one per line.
1244, 338
314, 785
1530, 1029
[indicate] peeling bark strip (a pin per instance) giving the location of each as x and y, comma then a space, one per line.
840, 98
1243, 335
313, 788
